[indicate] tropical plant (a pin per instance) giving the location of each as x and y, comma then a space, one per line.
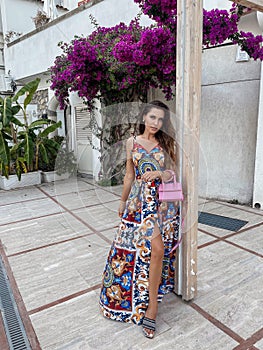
62, 160
66, 162
52, 153
22, 144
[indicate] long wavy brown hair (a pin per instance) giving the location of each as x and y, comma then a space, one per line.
166, 135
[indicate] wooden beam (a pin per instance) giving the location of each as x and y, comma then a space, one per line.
253, 4
188, 106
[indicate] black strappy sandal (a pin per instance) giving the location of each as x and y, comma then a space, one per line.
148, 323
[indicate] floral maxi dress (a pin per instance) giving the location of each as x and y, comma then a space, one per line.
124, 294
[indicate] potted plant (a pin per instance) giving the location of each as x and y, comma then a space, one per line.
40, 19
66, 162
23, 144
62, 164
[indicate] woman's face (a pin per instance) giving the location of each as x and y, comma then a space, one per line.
153, 120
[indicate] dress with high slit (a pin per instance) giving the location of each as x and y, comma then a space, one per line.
124, 294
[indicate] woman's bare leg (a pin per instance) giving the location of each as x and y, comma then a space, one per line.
155, 272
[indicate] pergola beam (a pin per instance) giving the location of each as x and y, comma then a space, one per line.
253, 4
188, 106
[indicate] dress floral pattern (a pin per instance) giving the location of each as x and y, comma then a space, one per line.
124, 295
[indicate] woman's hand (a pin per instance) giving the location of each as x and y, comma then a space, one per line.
151, 175
121, 209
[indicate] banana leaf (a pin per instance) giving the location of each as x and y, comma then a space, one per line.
4, 155
38, 123
43, 152
50, 129
29, 89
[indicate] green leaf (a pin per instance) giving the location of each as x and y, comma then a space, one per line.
7, 111
22, 162
15, 109
16, 121
18, 169
29, 89
38, 123
52, 145
7, 136
4, 153
49, 129
29, 150
43, 152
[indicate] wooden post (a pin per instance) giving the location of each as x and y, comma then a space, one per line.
253, 4
188, 101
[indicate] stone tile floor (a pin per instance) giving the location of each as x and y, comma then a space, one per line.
56, 238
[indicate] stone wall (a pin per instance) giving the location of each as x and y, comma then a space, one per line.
40, 98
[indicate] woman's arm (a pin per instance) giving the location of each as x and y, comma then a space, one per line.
164, 176
128, 178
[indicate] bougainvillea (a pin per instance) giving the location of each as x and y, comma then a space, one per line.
218, 26
88, 66
162, 11
118, 63
154, 52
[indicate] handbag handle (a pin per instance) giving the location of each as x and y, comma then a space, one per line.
173, 175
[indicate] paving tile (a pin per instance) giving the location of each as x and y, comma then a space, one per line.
27, 210
203, 238
100, 216
77, 324
220, 209
208, 206
110, 233
227, 277
59, 270
111, 189
202, 200
61, 187
242, 207
19, 195
259, 344
42, 231
188, 329
252, 239
81, 199
219, 232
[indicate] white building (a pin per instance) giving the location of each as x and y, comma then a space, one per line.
231, 164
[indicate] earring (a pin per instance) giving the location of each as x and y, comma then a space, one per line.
143, 121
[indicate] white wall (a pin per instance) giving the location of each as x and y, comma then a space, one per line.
17, 15
70, 4
229, 117
228, 129
249, 23
213, 4
2, 69
37, 52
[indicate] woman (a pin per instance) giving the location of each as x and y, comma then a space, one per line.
140, 265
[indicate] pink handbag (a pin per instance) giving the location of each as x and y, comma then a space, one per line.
170, 191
